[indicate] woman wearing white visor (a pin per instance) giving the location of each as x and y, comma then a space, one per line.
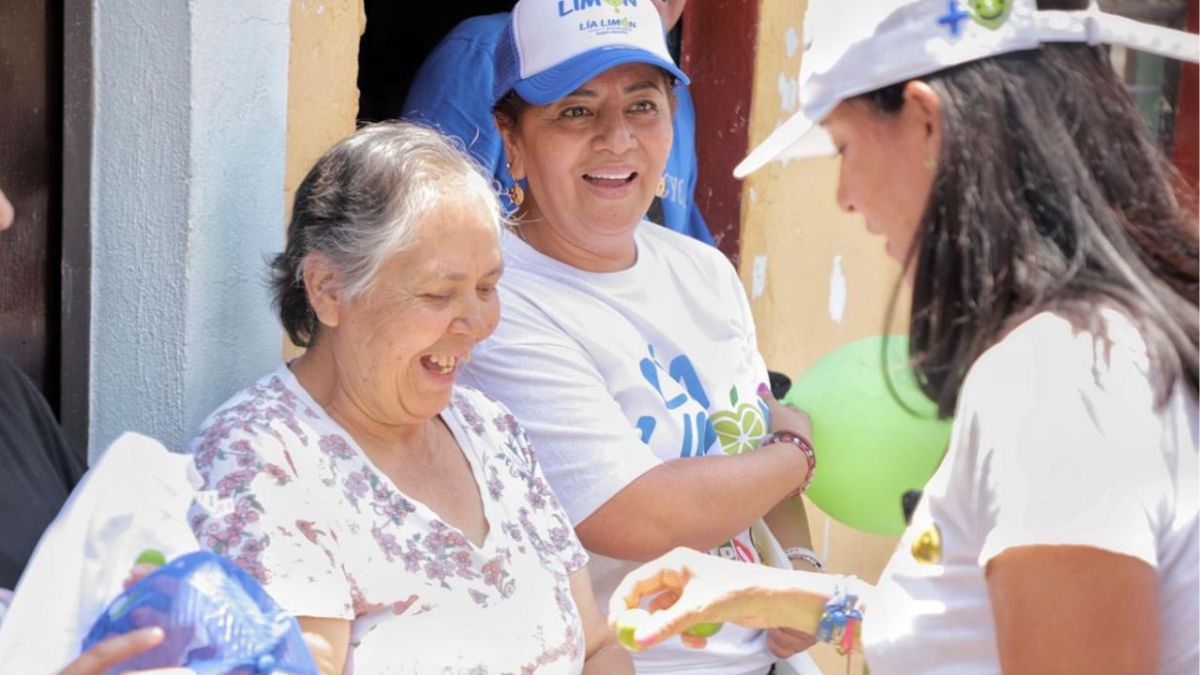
1053, 268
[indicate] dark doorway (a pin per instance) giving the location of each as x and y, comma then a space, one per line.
398, 37
30, 174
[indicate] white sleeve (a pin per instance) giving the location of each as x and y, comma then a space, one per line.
583, 440
1066, 455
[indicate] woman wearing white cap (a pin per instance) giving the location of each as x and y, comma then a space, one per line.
1054, 315
627, 351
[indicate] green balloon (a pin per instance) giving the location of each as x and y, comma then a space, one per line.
870, 450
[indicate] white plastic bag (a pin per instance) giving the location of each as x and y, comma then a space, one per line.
136, 497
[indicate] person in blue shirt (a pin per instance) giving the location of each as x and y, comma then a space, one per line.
452, 92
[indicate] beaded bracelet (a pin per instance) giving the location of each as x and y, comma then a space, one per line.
805, 446
839, 621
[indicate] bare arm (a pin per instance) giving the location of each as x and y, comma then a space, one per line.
788, 520
789, 524
1073, 609
331, 656
604, 656
699, 502
695, 502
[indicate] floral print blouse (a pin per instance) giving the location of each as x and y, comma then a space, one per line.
290, 497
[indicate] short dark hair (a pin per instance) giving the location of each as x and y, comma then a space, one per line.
1049, 194
362, 202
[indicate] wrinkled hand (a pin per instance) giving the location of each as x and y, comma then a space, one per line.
114, 650
686, 588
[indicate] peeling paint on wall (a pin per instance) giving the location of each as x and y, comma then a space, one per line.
793, 42
753, 196
758, 278
789, 92
837, 291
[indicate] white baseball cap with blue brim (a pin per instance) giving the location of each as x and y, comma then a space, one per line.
883, 42
550, 48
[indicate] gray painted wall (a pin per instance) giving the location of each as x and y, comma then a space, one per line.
188, 155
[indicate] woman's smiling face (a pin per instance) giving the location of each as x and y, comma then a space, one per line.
593, 159
398, 346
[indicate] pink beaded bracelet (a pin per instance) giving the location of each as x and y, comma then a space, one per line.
805, 446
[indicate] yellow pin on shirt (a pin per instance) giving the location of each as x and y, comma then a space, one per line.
927, 547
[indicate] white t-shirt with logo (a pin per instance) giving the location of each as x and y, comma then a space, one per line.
1054, 443
614, 373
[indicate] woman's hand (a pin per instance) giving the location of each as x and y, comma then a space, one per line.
689, 588
119, 648
786, 417
785, 643
137, 573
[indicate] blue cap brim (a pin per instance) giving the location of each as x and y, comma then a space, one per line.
551, 85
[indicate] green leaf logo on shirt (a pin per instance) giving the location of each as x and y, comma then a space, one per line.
740, 429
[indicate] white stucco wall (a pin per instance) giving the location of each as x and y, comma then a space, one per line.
187, 201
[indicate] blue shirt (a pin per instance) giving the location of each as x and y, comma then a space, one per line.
453, 92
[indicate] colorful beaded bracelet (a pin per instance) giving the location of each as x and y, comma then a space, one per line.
805, 446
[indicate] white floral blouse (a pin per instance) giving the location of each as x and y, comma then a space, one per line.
292, 499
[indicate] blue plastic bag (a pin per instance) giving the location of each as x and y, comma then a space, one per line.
217, 619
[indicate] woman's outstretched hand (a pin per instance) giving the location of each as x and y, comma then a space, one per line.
686, 588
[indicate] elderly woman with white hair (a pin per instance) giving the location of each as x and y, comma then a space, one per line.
402, 517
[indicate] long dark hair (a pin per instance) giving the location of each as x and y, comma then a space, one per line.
1049, 195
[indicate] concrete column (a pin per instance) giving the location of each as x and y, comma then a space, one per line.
187, 200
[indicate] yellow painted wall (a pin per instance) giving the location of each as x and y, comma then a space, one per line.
811, 252
322, 86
